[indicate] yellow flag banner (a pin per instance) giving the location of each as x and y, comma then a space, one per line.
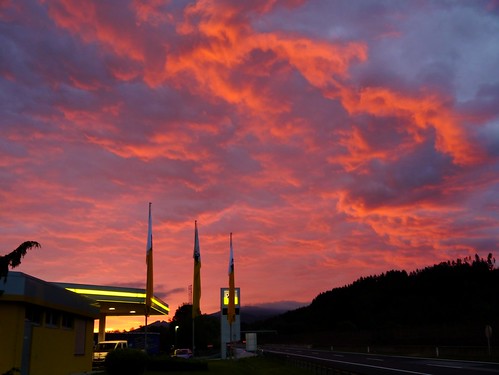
196, 285
231, 311
149, 282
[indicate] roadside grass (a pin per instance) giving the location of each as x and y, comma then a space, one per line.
243, 366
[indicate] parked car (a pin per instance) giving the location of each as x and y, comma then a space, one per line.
182, 353
104, 347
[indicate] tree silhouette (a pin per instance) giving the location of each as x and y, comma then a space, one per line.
207, 330
446, 303
13, 259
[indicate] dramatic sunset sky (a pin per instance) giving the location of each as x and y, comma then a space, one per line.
335, 139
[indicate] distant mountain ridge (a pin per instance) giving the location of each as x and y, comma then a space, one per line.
262, 311
254, 313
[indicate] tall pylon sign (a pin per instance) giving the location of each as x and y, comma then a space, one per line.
230, 333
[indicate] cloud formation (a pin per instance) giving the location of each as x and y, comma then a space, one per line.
334, 139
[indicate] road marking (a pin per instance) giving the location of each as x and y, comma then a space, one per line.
375, 359
446, 366
354, 363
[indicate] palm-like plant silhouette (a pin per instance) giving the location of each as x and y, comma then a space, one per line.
13, 259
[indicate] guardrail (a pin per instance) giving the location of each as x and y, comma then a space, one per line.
474, 353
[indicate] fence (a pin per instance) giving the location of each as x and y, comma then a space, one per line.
474, 353
317, 367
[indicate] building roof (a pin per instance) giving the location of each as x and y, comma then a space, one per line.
20, 287
82, 299
118, 301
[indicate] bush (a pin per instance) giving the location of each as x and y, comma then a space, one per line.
167, 364
126, 362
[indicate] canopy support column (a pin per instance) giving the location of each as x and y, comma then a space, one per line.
102, 327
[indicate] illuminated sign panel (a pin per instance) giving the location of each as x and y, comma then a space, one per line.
229, 332
226, 297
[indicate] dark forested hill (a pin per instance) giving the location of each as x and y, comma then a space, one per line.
443, 303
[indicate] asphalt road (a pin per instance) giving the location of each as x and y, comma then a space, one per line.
372, 364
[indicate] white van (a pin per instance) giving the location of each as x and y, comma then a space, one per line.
104, 347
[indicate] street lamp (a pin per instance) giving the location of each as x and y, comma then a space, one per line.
176, 328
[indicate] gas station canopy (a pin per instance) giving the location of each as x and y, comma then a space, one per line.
118, 301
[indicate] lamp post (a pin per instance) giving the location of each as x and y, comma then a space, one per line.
176, 328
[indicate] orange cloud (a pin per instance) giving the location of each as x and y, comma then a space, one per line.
229, 41
86, 21
227, 44
152, 12
360, 152
429, 110
218, 41
406, 226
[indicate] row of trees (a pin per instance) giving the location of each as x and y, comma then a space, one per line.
449, 302
178, 333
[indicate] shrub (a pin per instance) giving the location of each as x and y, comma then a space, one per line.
167, 364
126, 362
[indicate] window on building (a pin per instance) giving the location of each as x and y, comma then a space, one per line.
67, 321
52, 318
34, 314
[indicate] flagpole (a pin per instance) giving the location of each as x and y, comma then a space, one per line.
145, 336
149, 276
230, 340
196, 285
231, 313
193, 314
